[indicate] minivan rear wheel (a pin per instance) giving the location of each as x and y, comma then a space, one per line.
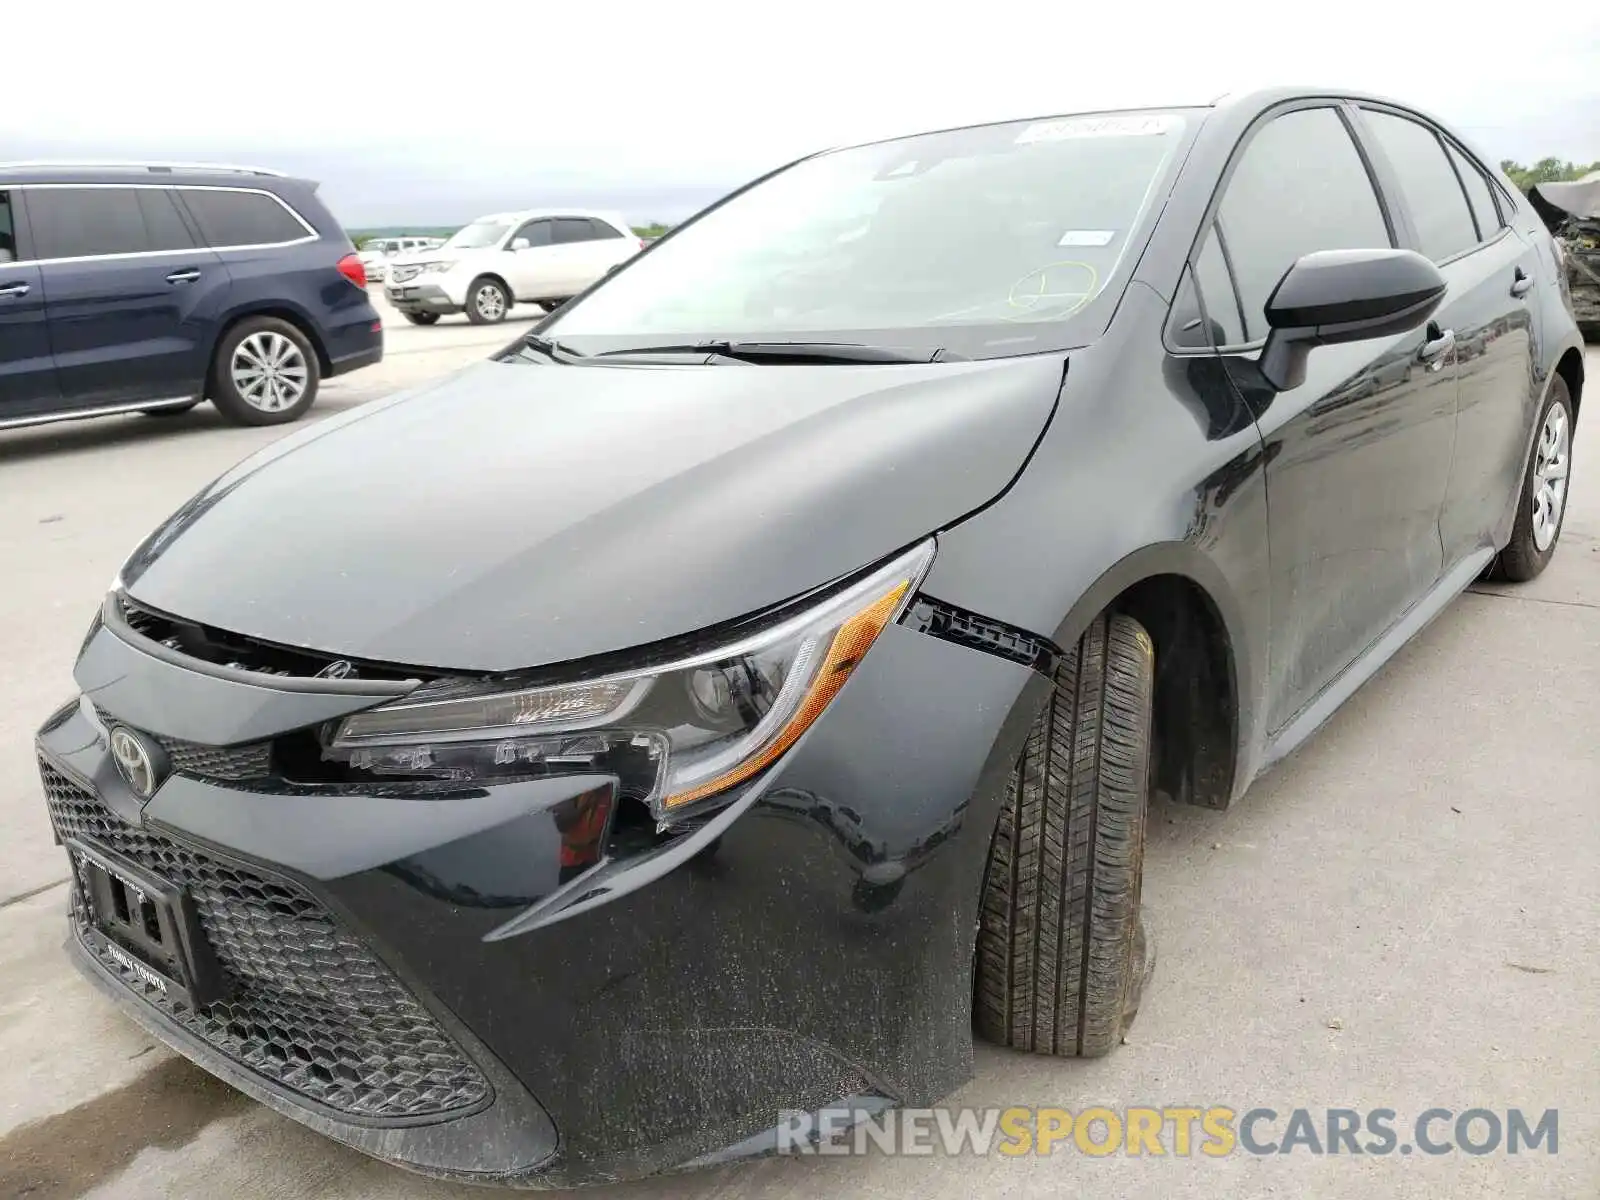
1061, 949
264, 373
422, 318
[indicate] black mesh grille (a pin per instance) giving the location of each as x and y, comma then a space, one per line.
218, 762
310, 1008
233, 763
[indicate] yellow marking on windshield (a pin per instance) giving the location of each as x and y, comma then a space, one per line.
1028, 301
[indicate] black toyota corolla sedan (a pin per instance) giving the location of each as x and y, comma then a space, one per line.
752, 681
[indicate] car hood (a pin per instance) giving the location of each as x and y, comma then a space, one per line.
517, 515
439, 252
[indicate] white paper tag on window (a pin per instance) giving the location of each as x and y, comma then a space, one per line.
1092, 127
1087, 237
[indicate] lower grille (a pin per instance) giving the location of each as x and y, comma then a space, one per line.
309, 1007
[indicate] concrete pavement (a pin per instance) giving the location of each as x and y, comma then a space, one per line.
1405, 914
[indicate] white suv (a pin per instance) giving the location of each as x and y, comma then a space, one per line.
539, 256
377, 252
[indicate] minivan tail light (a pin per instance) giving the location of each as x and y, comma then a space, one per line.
353, 269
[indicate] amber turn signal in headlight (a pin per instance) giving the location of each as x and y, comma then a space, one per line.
674, 736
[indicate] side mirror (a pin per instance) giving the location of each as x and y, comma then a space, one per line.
520, 243
1334, 296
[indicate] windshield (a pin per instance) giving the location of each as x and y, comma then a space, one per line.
479, 235
983, 241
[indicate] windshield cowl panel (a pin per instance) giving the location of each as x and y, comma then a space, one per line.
986, 242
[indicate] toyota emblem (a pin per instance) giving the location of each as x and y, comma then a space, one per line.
134, 762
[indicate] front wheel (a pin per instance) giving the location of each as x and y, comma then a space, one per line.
487, 302
1542, 502
1062, 953
264, 373
422, 318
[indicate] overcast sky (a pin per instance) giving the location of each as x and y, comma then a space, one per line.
435, 113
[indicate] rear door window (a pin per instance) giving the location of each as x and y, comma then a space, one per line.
1428, 182
574, 229
87, 222
1299, 186
164, 225
8, 234
235, 218
1479, 194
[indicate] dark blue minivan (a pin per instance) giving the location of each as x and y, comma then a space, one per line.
151, 287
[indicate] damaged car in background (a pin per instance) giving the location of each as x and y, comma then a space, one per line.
753, 680
1572, 212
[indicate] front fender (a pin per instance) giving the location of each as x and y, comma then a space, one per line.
1135, 479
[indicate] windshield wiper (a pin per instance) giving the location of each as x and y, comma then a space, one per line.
792, 352
548, 347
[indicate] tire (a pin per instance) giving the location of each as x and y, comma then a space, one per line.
483, 307
1524, 558
291, 381
171, 410
422, 318
551, 305
1061, 951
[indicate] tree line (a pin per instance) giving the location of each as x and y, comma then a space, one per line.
1546, 170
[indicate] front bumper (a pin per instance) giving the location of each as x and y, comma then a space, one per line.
416, 295
426, 980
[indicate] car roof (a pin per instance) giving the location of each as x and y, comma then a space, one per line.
1240, 103
186, 174
529, 214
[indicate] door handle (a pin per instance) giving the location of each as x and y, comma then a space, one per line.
188, 276
1437, 348
1522, 284
9, 290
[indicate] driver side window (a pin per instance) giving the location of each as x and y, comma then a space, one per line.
537, 232
1301, 185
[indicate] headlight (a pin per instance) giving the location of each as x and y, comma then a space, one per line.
673, 735
437, 268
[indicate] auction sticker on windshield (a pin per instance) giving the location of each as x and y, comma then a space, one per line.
1093, 127
1087, 237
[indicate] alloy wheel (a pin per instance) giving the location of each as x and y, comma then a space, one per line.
270, 372
1552, 461
490, 303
